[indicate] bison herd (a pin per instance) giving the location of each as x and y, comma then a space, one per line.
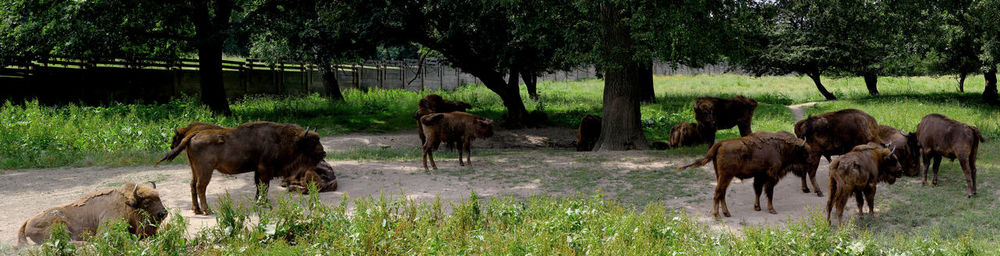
869, 154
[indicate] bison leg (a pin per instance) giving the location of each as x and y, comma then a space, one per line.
461, 150
758, 186
720, 196
829, 201
430, 156
204, 175
745, 129
840, 201
468, 152
927, 167
970, 182
812, 178
769, 189
805, 188
870, 197
859, 197
420, 132
937, 166
972, 167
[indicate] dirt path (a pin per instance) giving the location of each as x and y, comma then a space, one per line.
799, 110
633, 177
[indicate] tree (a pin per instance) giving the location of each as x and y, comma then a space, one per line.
969, 41
322, 33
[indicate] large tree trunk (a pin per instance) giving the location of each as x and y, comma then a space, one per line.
822, 89
330, 83
990, 92
961, 81
621, 123
644, 79
509, 93
209, 33
531, 82
871, 81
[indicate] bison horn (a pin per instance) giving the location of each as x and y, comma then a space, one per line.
803, 141
153, 183
306, 132
135, 191
893, 150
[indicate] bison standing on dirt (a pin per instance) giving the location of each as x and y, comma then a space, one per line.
764, 156
858, 172
588, 133
455, 127
433, 103
717, 114
835, 133
687, 134
940, 136
138, 205
907, 151
267, 149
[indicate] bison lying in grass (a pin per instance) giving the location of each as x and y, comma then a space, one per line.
433, 103
588, 133
717, 113
689, 134
835, 133
455, 127
940, 136
138, 205
858, 173
764, 156
267, 149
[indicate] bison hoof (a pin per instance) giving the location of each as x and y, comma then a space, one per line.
726, 214
968, 195
756, 208
805, 190
772, 211
819, 193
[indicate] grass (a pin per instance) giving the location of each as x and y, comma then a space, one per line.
501, 226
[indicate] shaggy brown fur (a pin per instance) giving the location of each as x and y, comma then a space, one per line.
434, 103
764, 156
835, 133
267, 149
858, 172
687, 134
717, 114
907, 150
588, 133
193, 127
940, 136
322, 176
131, 202
455, 127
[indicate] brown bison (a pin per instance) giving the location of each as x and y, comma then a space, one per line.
454, 127
764, 156
835, 133
322, 176
940, 136
193, 127
138, 205
267, 149
588, 133
858, 172
433, 103
717, 114
907, 150
688, 134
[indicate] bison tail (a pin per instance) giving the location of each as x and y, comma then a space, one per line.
22, 239
432, 120
708, 157
176, 151
978, 134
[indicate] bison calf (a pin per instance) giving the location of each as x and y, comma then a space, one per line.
138, 205
835, 133
193, 127
322, 176
940, 136
588, 133
688, 134
455, 127
433, 103
764, 156
858, 172
717, 114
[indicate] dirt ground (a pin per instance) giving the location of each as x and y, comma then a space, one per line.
518, 171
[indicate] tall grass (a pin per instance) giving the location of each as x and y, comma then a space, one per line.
502, 226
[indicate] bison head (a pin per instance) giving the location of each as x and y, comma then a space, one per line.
909, 155
889, 167
145, 200
484, 128
458, 106
704, 111
322, 176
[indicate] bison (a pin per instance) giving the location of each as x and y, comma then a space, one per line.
455, 127
907, 150
193, 127
322, 176
858, 172
764, 156
267, 149
588, 133
688, 134
433, 103
940, 136
138, 205
835, 133
717, 114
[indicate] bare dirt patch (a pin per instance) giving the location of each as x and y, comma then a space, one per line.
634, 177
